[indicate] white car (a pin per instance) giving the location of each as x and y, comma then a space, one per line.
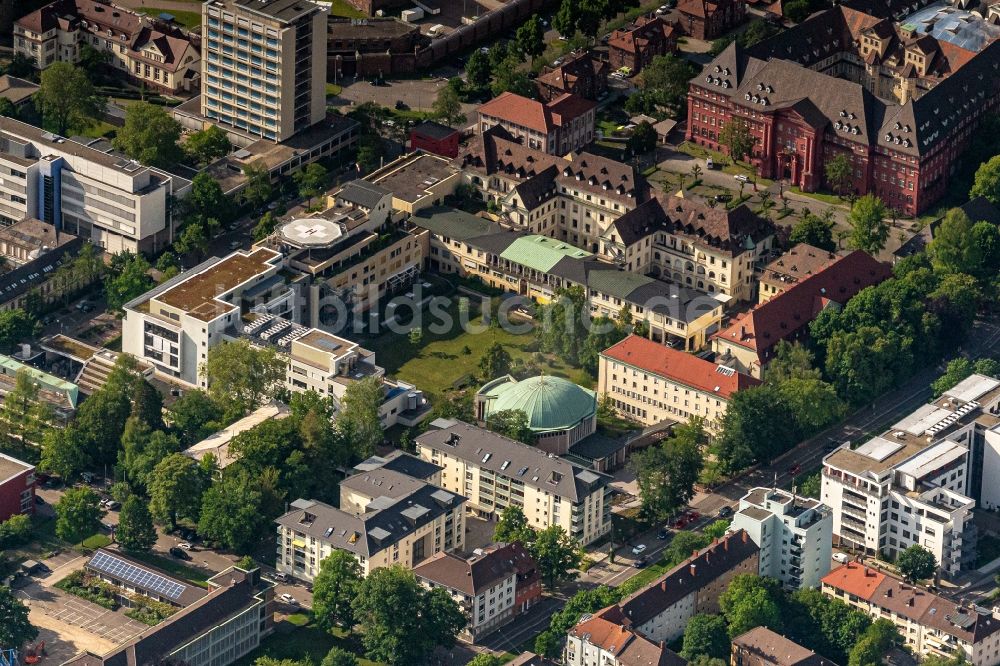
185, 545
740, 177
638, 550
289, 599
710, 164
840, 557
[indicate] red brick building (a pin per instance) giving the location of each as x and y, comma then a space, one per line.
635, 45
709, 19
17, 487
435, 138
557, 127
580, 74
902, 116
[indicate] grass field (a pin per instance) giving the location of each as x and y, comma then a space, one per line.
343, 9
99, 130
440, 360
298, 637
187, 19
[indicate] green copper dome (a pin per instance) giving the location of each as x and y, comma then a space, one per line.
551, 403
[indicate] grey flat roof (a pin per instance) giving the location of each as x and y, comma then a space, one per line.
283, 10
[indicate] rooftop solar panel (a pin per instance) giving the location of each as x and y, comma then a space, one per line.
142, 578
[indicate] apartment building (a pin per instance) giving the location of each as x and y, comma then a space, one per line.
535, 266
401, 521
264, 70
931, 625
557, 127
797, 264
635, 45
606, 638
218, 629
487, 585
642, 623
34, 251
581, 73
115, 203
650, 383
918, 482
17, 487
762, 647
142, 49
794, 534
748, 343
494, 472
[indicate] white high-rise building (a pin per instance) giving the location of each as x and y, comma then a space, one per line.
794, 534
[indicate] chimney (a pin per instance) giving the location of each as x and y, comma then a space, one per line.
663, 584
725, 544
744, 536
694, 553
694, 569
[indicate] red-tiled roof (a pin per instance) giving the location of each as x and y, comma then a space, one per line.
855, 578
789, 312
678, 366
534, 115
605, 630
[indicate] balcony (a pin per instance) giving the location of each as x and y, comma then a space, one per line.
852, 511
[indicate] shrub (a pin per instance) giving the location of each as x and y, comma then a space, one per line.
148, 611
93, 589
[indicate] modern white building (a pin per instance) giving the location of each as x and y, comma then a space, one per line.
494, 472
919, 482
794, 534
115, 203
264, 65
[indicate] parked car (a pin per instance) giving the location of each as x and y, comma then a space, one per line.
662, 534
740, 177
840, 557
725, 512
289, 599
281, 576
640, 563
179, 554
185, 545
113, 505
710, 164
637, 550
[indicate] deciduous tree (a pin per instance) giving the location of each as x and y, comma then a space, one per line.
666, 473
839, 172
706, 635
241, 377
986, 182
530, 37
334, 590
77, 514
448, 106
557, 555
311, 180
150, 135
736, 136
135, 526
359, 414
916, 563
15, 628
495, 362
816, 230
208, 145
258, 189
175, 488
67, 99
231, 512
513, 526
869, 229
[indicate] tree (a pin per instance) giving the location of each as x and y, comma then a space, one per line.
370, 153
62, 454
477, 71
705, 635
338, 656
311, 180
208, 145
241, 377
404, 622
513, 526
359, 414
15, 326
78, 514
839, 172
334, 590
643, 139
816, 230
717, 529
986, 182
175, 488
24, 418
549, 642
864, 363
564, 20
206, 200
664, 82
15, 628
150, 135
512, 423
7, 108
20, 66
495, 362
556, 554
797, 10
135, 526
869, 229
878, 639
257, 189
194, 416
193, 239
758, 425
231, 512
266, 226
485, 659
448, 106
751, 601
15, 531
530, 38
682, 545
736, 136
916, 563
510, 78
67, 99
133, 281
666, 473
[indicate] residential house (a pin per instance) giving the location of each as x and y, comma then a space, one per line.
556, 127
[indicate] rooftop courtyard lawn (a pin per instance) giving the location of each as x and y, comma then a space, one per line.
299, 637
438, 362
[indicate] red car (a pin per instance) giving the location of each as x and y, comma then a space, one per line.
794, 469
679, 523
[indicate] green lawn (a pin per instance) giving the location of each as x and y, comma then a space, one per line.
298, 637
345, 10
644, 577
439, 360
99, 130
333, 89
95, 542
187, 19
